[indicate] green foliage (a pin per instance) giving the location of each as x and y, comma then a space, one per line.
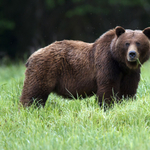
6, 25
53, 3
72, 124
84, 9
50, 3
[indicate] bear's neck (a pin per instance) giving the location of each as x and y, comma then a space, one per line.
125, 70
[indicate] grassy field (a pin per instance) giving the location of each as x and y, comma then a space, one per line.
75, 124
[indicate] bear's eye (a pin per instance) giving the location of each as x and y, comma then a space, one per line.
127, 44
137, 44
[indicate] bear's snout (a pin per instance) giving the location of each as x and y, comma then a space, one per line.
132, 55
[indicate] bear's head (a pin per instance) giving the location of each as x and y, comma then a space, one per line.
131, 47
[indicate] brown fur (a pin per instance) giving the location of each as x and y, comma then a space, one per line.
74, 67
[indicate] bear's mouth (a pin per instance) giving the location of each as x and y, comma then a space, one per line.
132, 60
133, 64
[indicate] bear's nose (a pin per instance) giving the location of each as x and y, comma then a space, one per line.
132, 54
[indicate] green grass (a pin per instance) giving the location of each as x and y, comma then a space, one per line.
75, 124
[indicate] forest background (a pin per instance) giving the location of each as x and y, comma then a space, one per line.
26, 25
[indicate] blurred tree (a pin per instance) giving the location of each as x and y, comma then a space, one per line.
28, 25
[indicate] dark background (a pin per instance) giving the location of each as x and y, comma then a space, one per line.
27, 25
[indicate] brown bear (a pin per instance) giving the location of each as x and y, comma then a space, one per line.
108, 67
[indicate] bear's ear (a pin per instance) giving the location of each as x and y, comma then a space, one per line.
146, 31
119, 30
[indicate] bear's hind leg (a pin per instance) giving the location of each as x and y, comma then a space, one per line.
34, 92
30, 96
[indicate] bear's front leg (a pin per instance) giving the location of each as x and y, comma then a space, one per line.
107, 94
129, 84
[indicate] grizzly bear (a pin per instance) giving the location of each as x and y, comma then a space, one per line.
109, 67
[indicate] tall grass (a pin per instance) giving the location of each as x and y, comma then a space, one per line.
76, 124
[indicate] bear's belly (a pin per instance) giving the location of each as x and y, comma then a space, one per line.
72, 88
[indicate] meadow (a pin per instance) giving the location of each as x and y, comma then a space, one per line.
72, 124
